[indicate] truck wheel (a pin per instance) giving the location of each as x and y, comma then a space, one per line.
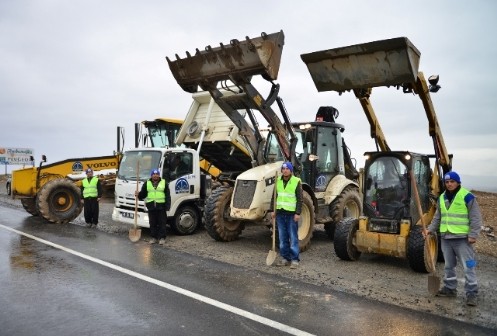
59, 201
347, 204
216, 215
416, 250
306, 223
29, 204
344, 238
186, 221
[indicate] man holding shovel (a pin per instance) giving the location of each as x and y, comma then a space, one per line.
158, 200
288, 207
458, 220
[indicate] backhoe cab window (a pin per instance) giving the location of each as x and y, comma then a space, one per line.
143, 161
386, 188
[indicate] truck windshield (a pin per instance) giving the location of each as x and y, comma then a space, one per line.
145, 161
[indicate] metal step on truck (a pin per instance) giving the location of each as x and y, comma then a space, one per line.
175, 152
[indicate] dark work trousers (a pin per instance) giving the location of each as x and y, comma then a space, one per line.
91, 210
157, 219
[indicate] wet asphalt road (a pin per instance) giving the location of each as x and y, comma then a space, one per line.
80, 281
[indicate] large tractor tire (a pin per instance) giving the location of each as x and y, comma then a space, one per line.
344, 238
59, 201
216, 215
186, 221
306, 223
347, 204
416, 256
29, 204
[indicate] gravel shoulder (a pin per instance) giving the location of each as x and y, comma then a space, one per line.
375, 277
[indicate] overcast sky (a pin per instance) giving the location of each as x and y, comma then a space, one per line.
72, 71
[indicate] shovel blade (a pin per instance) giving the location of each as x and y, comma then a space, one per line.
271, 257
433, 283
135, 234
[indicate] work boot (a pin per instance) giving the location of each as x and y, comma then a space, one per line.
152, 241
447, 292
471, 300
283, 262
162, 241
88, 225
294, 264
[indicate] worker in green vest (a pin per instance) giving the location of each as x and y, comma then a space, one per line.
288, 207
91, 192
155, 192
458, 220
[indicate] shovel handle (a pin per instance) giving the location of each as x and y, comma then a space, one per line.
137, 190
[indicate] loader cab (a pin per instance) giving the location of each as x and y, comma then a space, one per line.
320, 151
388, 194
162, 132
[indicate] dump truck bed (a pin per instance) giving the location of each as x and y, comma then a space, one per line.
221, 143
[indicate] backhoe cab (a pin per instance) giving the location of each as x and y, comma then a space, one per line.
316, 148
392, 213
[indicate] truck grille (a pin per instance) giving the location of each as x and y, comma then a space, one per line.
243, 194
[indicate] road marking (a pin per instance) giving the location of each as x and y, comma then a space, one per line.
179, 290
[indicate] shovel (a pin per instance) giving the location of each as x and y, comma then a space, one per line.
433, 278
135, 233
271, 256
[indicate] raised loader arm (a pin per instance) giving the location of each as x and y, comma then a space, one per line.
237, 62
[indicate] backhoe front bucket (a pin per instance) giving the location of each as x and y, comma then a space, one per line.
237, 61
361, 66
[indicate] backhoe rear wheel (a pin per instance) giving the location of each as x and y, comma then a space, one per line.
29, 204
344, 239
347, 204
59, 201
217, 216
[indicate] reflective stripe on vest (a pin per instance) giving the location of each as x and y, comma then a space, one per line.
455, 219
287, 200
157, 195
90, 187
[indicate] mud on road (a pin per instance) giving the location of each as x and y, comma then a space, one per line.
381, 278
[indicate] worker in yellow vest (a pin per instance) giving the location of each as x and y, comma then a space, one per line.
458, 220
288, 208
91, 192
155, 192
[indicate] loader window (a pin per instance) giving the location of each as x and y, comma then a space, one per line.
387, 188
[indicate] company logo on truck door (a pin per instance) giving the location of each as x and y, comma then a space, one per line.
182, 186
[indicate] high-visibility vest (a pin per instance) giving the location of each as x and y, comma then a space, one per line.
90, 187
455, 219
287, 200
157, 195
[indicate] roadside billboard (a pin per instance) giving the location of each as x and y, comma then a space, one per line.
16, 156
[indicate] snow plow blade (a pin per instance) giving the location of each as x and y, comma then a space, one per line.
380, 63
237, 60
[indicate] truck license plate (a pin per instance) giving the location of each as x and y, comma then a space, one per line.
128, 215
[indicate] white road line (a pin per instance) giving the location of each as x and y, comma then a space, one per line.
179, 290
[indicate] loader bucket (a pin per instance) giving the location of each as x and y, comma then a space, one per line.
361, 66
238, 60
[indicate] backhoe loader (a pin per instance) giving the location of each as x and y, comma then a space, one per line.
315, 148
391, 223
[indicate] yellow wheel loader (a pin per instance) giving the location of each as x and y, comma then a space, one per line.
315, 148
399, 188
